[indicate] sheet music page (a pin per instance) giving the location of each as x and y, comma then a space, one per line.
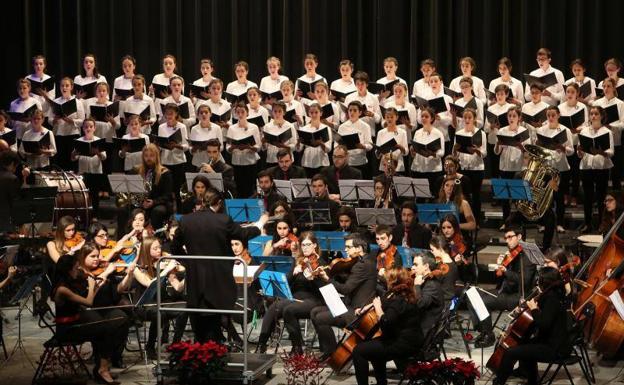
332, 300
477, 303
618, 304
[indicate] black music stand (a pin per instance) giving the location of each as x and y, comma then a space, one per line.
35, 204
312, 213
244, 210
512, 189
21, 298
432, 213
356, 190
370, 217
412, 188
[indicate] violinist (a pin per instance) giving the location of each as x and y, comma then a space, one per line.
557, 258
304, 283
459, 249
441, 249
239, 248
409, 233
551, 339
428, 290
399, 321
358, 289
283, 242
196, 201
109, 249
66, 239
451, 192
612, 209
387, 256
281, 209
516, 276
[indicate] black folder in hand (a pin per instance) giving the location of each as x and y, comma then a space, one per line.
501, 119
88, 89
465, 142
163, 141
543, 81
280, 138
250, 140
552, 143
536, 119
513, 140
144, 115
99, 112
64, 110
437, 104
26, 114
124, 93
308, 138
224, 117
350, 140
44, 86
87, 148
574, 120
600, 143
133, 145
387, 147
9, 137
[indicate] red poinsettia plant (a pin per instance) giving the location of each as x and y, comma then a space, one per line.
191, 361
455, 371
302, 369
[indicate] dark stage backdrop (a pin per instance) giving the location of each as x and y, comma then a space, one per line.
364, 31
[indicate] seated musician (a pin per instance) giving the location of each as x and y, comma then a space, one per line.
612, 209
216, 164
285, 169
254, 299
385, 193
399, 322
66, 239
451, 192
339, 170
304, 283
459, 249
195, 202
428, 290
346, 220
387, 255
358, 290
72, 291
551, 340
283, 242
441, 249
268, 193
109, 250
409, 233
516, 274
320, 193
559, 259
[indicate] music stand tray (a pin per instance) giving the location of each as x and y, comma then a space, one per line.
275, 284
256, 245
244, 210
356, 189
279, 263
302, 188
514, 189
312, 213
215, 178
331, 240
432, 213
24, 291
370, 217
127, 183
284, 187
411, 187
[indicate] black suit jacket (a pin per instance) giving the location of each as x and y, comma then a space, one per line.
9, 189
209, 283
512, 282
419, 236
346, 172
227, 173
430, 302
294, 172
359, 288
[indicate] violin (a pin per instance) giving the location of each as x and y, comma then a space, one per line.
73, 242
458, 247
510, 256
310, 266
385, 259
567, 269
440, 271
120, 267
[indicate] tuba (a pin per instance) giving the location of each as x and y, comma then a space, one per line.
540, 176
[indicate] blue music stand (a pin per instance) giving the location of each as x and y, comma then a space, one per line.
407, 254
432, 213
331, 240
256, 245
275, 284
150, 292
244, 210
514, 189
278, 263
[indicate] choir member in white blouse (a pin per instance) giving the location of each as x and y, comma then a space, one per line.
389, 132
443, 119
39, 74
612, 68
133, 159
241, 84
103, 129
515, 85
23, 102
288, 97
176, 85
202, 132
533, 109
172, 155
90, 166
427, 163
255, 108
421, 86
163, 78
578, 69
467, 100
401, 103
310, 62
321, 92
206, 68
218, 106
569, 107
491, 129
553, 94
355, 125
66, 128
41, 159
271, 83
372, 112
137, 103
595, 165
344, 85
390, 66
88, 75
277, 126
467, 65
244, 156
124, 82
315, 155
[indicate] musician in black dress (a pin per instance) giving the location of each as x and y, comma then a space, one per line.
399, 322
550, 320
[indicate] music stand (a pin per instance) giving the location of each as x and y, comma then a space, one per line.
370, 217
279, 263
275, 284
331, 240
284, 187
514, 189
356, 189
21, 298
302, 188
312, 213
432, 213
215, 178
35, 204
256, 245
411, 188
127, 183
244, 210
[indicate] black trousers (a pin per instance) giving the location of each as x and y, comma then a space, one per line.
616, 171
375, 352
506, 203
529, 355
595, 184
502, 301
105, 330
574, 161
323, 321
476, 180
246, 180
207, 327
95, 183
64, 147
494, 161
291, 312
179, 179
559, 196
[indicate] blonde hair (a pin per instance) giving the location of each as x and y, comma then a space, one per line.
159, 169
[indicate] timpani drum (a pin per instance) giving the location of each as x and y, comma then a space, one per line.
72, 197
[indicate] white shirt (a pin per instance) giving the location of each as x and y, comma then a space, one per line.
307, 79
478, 87
136, 106
618, 125
260, 111
133, 159
299, 110
443, 119
21, 105
411, 112
510, 156
496, 109
357, 156
556, 90
315, 157
421, 88
462, 103
162, 80
6, 131
103, 129
90, 164
175, 156
472, 162
531, 109
201, 134
559, 160
61, 127
273, 129
219, 108
566, 110
431, 163
400, 137
79, 80
372, 104
592, 85
37, 161
269, 85
597, 162
188, 122
343, 86
236, 88
514, 85
122, 83
244, 157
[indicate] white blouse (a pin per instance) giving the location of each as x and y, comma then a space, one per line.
560, 160
133, 159
175, 156
597, 162
36, 161
315, 157
472, 162
400, 137
273, 128
201, 134
90, 164
244, 157
511, 158
430, 163
357, 156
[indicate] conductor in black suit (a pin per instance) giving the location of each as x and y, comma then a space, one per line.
340, 169
285, 169
210, 283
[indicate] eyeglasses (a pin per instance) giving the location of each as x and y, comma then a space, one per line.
510, 236
307, 244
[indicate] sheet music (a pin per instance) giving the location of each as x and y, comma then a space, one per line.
284, 187
333, 300
215, 178
618, 304
127, 183
238, 272
477, 303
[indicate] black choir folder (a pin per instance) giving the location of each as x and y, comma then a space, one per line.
543, 81
279, 138
143, 115
45, 86
124, 93
431, 146
132, 145
611, 114
574, 120
257, 120
459, 110
202, 145
452, 93
403, 114
161, 91
224, 117
308, 138
350, 140
536, 119
65, 109
88, 89
291, 116
277, 95
26, 114
196, 91
387, 147
163, 141
99, 112
619, 89
235, 98
501, 119
35, 146
585, 90
552, 143
601, 143
341, 96
437, 104
508, 140
306, 87
326, 111
465, 142
183, 109
250, 140
87, 148
9, 137
377, 88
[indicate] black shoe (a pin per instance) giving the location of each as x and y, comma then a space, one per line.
296, 350
100, 380
487, 340
519, 372
151, 354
